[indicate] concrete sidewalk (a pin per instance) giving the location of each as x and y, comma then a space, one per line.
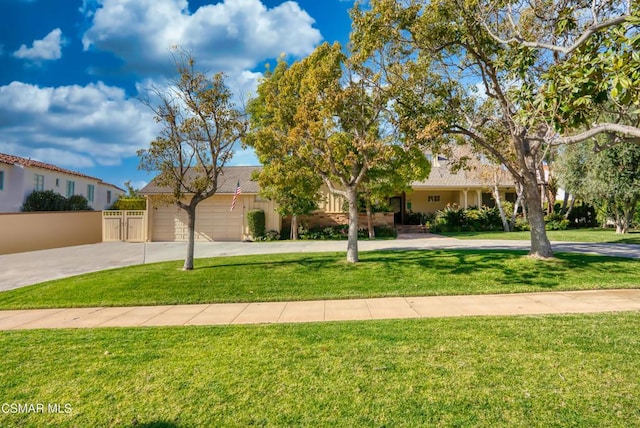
326, 310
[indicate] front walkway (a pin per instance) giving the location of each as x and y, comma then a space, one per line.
326, 310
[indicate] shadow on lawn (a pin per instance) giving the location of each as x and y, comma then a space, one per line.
500, 266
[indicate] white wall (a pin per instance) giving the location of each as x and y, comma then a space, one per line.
19, 182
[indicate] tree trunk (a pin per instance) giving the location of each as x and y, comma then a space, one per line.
565, 203
294, 227
572, 202
540, 245
191, 220
514, 214
503, 216
372, 232
352, 244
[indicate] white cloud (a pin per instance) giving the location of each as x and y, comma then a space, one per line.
229, 36
73, 125
49, 48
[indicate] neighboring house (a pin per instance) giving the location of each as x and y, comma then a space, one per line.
216, 222
19, 177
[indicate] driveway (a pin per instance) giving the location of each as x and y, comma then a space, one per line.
21, 269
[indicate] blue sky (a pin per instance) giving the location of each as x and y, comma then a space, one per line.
72, 69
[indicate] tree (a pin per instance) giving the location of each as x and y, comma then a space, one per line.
328, 113
285, 178
610, 178
200, 127
458, 80
48, 200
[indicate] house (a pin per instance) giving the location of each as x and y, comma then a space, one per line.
215, 221
19, 177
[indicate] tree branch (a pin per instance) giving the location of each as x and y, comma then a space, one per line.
597, 26
597, 129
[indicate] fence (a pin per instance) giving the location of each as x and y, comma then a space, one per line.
130, 226
43, 230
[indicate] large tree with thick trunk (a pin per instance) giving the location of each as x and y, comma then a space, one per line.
459, 78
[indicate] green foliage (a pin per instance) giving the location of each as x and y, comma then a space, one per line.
340, 232
48, 200
256, 220
555, 221
126, 203
455, 219
583, 215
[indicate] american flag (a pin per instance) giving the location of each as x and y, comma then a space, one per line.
235, 196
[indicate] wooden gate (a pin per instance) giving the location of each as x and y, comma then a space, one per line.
130, 226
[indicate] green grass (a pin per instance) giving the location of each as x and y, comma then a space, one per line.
327, 276
578, 370
571, 235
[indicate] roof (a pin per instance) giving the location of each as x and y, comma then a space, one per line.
17, 160
227, 182
442, 177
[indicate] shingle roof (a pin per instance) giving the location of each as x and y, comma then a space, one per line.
442, 177
17, 160
227, 182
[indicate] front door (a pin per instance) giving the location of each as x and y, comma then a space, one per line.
396, 207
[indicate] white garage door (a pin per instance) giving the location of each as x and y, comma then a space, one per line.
214, 221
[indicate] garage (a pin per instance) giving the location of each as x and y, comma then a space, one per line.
214, 221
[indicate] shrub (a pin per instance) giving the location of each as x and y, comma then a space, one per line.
555, 221
583, 216
256, 220
46, 200
521, 224
77, 203
129, 204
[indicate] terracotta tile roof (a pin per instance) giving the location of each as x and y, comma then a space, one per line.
17, 160
227, 182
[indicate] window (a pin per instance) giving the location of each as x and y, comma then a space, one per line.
71, 188
38, 182
433, 198
90, 192
57, 182
108, 196
1, 180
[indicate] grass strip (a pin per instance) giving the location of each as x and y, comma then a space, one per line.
287, 277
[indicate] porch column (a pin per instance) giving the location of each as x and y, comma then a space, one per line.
479, 198
466, 200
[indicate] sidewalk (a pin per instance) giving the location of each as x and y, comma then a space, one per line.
326, 310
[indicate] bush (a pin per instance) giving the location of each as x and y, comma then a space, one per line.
556, 221
78, 203
48, 200
341, 232
583, 216
256, 220
521, 224
129, 204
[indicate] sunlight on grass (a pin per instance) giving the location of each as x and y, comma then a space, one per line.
326, 276
577, 370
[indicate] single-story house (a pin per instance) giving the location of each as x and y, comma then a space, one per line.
20, 176
215, 221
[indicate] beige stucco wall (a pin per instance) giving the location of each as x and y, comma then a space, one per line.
38, 231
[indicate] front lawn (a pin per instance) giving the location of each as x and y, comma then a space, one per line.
571, 235
326, 276
578, 370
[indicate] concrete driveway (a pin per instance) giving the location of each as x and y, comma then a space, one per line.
21, 269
